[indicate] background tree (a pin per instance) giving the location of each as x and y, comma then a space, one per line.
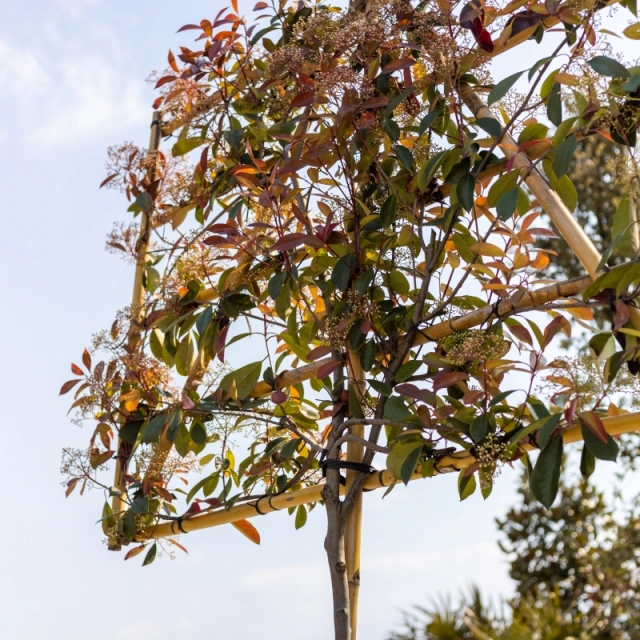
575, 568
355, 220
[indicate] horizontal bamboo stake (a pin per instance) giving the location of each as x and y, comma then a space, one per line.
615, 425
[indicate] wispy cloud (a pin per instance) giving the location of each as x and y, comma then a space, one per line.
68, 83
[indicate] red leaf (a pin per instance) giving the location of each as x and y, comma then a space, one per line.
107, 180
245, 527
593, 422
620, 315
327, 369
289, 241
260, 5
570, 411
304, 99
375, 103
193, 509
67, 386
278, 397
157, 102
213, 502
485, 41
319, 352
187, 402
366, 120
203, 158
557, 324
222, 340
86, 359
77, 370
411, 390
71, 485
521, 333
187, 27
398, 64
165, 80
448, 378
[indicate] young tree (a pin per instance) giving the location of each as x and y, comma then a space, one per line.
365, 226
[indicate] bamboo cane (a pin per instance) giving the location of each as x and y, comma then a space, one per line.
615, 425
118, 504
353, 527
567, 225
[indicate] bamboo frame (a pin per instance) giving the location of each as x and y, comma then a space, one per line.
615, 425
118, 503
353, 527
567, 225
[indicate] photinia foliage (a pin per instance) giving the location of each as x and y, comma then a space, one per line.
337, 247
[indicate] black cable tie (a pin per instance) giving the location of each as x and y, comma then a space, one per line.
179, 522
256, 506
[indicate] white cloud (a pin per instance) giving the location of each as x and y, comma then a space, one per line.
71, 84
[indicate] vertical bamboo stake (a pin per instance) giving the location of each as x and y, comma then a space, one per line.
353, 527
549, 200
118, 504
633, 214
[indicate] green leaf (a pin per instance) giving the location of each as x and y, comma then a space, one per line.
407, 370
381, 387
564, 153
129, 525
403, 459
301, 516
502, 87
153, 429
466, 485
405, 156
623, 223
478, 428
491, 126
410, 463
632, 84
245, 379
185, 145
465, 191
368, 355
507, 203
388, 211
392, 129
108, 519
429, 169
545, 477
504, 183
562, 186
429, 119
394, 102
198, 433
554, 104
606, 66
396, 410
601, 450
587, 463
151, 555
145, 202
276, 283
341, 273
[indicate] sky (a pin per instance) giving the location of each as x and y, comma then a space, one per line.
73, 75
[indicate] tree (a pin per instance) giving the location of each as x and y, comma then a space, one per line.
576, 571
356, 207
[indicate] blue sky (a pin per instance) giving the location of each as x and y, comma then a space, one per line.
73, 74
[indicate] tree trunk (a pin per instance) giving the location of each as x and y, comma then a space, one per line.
334, 546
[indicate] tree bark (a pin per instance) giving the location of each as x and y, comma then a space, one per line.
334, 547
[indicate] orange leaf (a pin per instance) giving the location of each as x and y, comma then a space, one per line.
540, 261
177, 544
86, 359
76, 369
245, 527
135, 551
67, 386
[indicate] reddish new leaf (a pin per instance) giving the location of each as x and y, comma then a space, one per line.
592, 421
86, 359
76, 369
245, 527
448, 378
621, 315
398, 64
304, 99
327, 369
289, 241
67, 386
319, 352
107, 180
165, 80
